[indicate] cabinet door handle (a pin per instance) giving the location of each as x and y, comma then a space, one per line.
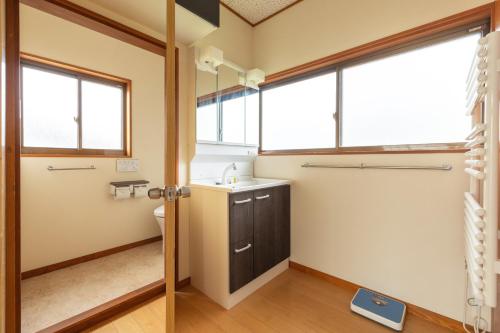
243, 248
236, 202
263, 197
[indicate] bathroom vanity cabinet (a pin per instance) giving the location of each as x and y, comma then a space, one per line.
238, 240
259, 232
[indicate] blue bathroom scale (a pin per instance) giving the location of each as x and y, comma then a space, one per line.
380, 308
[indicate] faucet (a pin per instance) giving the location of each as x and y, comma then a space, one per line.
226, 170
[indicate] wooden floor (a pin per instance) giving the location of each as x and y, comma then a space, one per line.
293, 302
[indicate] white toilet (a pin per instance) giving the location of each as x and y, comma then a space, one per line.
160, 218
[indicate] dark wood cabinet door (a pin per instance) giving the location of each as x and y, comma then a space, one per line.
281, 223
240, 264
240, 217
264, 231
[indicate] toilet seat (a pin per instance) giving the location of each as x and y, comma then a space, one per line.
160, 211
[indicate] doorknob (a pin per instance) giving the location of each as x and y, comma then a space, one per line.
169, 192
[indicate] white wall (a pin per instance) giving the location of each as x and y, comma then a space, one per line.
399, 232
69, 214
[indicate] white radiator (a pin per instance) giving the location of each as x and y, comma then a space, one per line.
481, 200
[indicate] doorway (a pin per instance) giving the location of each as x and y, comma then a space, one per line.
14, 155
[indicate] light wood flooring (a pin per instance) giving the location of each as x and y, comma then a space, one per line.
292, 302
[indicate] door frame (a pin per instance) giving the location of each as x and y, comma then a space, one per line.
94, 21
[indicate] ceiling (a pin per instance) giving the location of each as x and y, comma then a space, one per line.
256, 11
148, 16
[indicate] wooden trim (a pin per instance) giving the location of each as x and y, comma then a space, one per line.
262, 20
89, 257
72, 69
236, 13
278, 12
176, 250
457, 20
97, 22
12, 170
369, 150
170, 152
183, 283
417, 311
107, 310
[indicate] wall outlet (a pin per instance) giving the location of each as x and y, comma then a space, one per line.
127, 165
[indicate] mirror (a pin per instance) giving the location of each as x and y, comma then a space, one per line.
227, 111
206, 107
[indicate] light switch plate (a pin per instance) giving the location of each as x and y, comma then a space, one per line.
127, 165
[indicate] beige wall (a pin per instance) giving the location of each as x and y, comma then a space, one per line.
399, 232
316, 28
70, 214
234, 37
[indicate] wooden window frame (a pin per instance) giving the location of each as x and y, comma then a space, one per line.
80, 74
410, 39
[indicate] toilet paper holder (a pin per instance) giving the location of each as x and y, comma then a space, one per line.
129, 189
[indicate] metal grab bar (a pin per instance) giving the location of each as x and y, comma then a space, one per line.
444, 167
51, 168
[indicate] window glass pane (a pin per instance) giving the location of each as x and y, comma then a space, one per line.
206, 122
233, 120
300, 115
102, 116
416, 97
252, 118
50, 106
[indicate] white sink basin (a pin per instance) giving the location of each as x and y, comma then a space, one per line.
244, 185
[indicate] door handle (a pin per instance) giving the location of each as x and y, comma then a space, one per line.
263, 197
170, 192
239, 202
243, 248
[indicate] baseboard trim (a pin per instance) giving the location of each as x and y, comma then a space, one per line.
182, 283
86, 258
417, 311
107, 310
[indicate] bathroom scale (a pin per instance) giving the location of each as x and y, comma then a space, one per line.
380, 308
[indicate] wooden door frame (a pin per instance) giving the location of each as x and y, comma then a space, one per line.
78, 15
12, 171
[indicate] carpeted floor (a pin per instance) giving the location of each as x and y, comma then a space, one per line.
59, 295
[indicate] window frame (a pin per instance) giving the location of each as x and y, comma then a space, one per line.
409, 43
79, 73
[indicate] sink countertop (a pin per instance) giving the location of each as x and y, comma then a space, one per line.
241, 186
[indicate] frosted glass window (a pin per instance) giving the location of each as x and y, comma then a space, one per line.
102, 116
300, 115
206, 122
415, 97
233, 120
50, 109
252, 119
64, 111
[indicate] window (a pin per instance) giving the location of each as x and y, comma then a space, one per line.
404, 98
415, 97
300, 115
70, 111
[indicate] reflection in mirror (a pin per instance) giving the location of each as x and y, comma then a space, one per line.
227, 110
206, 111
